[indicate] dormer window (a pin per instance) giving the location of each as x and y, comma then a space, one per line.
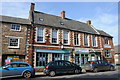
41, 19
61, 23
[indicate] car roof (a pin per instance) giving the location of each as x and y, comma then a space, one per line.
19, 62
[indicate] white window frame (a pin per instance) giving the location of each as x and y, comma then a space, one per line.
14, 29
108, 40
57, 36
13, 46
68, 37
78, 39
87, 40
43, 35
96, 41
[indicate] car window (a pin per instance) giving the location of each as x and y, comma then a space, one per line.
23, 65
67, 64
14, 65
60, 63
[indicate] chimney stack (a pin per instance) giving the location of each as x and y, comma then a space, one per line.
88, 22
32, 7
63, 14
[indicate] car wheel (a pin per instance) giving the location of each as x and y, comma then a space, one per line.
95, 70
111, 68
77, 71
52, 73
27, 74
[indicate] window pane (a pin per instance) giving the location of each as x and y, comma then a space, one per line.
65, 36
15, 26
76, 39
13, 42
40, 34
54, 36
86, 39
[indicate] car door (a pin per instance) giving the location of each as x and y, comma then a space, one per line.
10, 70
22, 67
106, 65
59, 67
69, 68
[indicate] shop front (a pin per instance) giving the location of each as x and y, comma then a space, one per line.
82, 56
44, 56
8, 58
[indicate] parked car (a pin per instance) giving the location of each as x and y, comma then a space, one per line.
15, 69
60, 67
98, 65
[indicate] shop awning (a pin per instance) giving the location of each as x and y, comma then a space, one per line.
52, 51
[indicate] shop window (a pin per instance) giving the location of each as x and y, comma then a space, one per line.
56, 56
55, 36
106, 40
15, 27
66, 37
76, 39
41, 59
86, 39
94, 40
40, 34
13, 42
107, 53
77, 59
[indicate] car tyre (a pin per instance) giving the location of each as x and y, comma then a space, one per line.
77, 71
111, 68
95, 70
52, 73
27, 74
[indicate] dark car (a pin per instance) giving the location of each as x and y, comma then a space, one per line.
98, 65
60, 67
15, 69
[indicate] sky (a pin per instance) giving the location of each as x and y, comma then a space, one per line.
104, 15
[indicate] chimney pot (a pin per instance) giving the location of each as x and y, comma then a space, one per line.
63, 14
88, 22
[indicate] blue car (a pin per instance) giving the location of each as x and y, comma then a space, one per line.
15, 69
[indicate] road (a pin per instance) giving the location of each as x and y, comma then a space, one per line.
104, 75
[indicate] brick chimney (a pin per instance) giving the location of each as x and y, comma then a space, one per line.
63, 14
32, 7
88, 22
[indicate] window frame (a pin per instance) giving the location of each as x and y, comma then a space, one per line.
107, 40
43, 35
57, 36
108, 52
95, 41
15, 29
13, 46
68, 37
87, 40
78, 39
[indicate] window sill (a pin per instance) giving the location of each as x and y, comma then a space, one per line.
40, 41
108, 57
13, 47
15, 30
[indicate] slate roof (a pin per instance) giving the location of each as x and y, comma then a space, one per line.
14, 20
104, 33
52, 20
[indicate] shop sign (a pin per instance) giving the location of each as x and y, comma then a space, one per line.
107, 46
82, 50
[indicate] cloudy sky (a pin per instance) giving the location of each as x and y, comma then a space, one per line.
104, 15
